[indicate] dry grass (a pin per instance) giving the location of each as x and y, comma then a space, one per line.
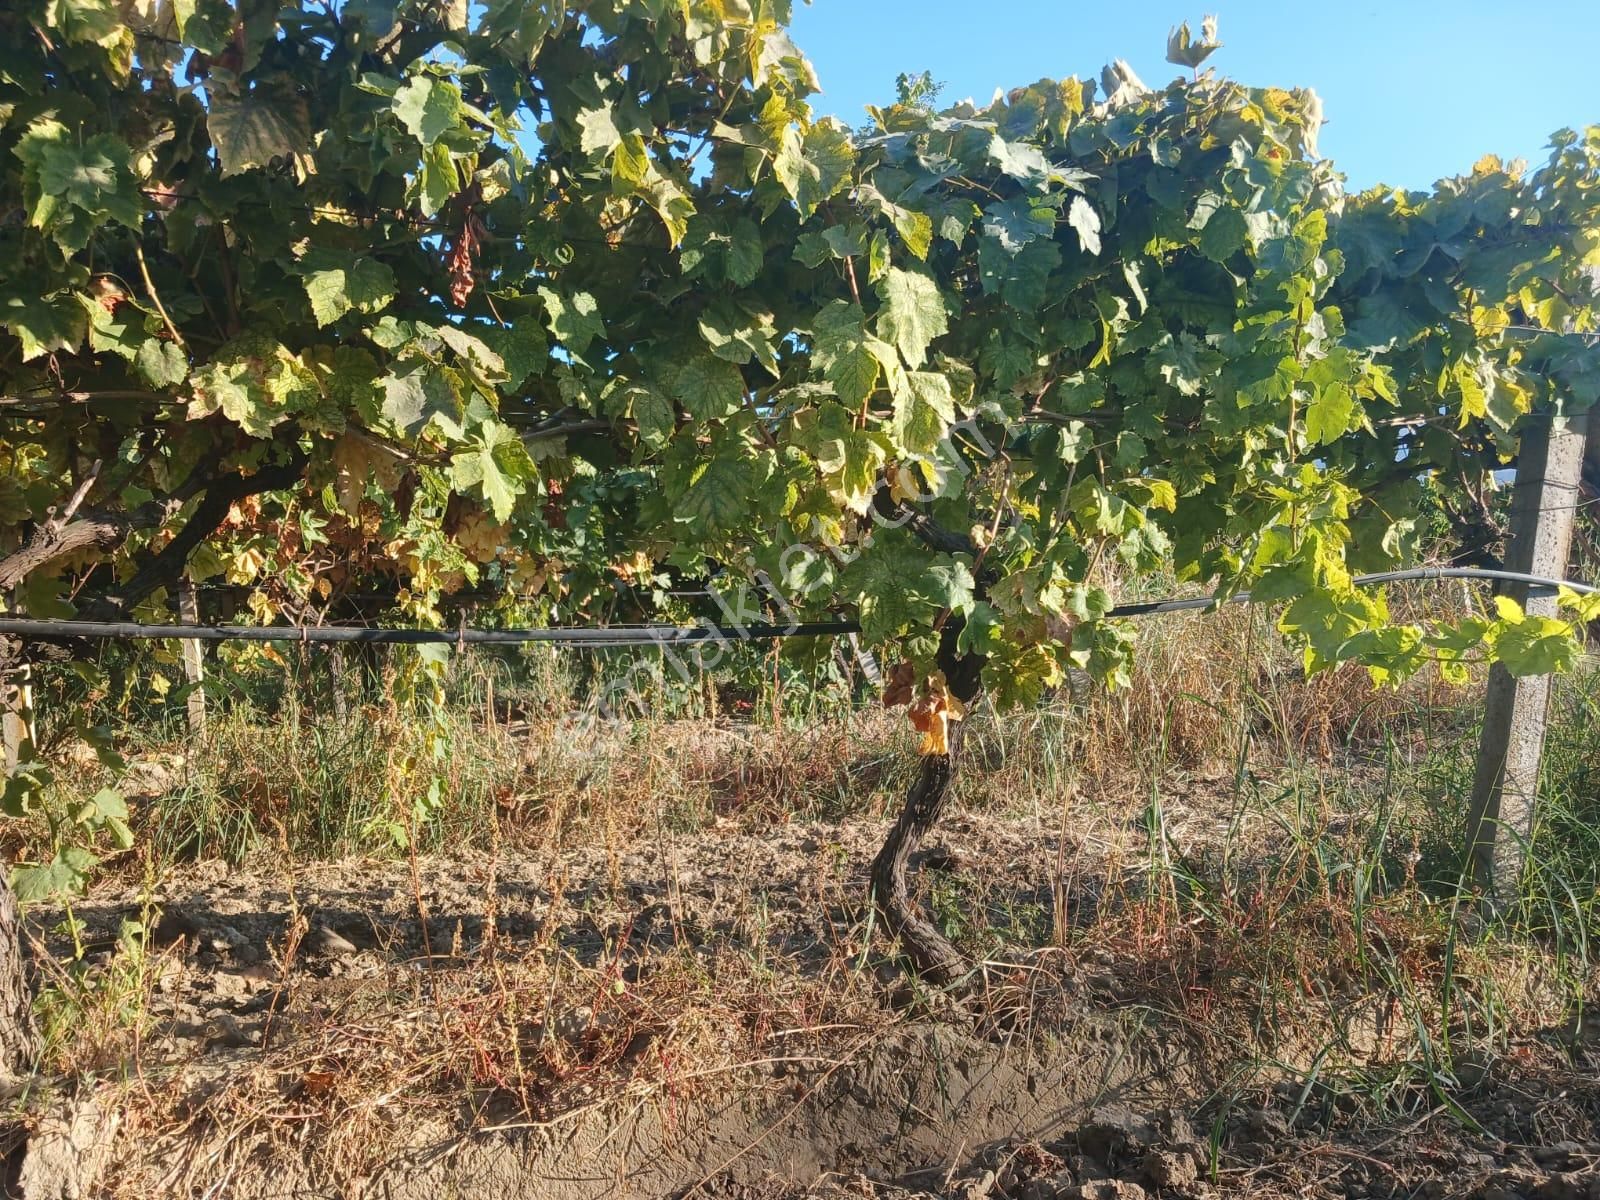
1211, 693
613, 1001
526, 1039
1313, 955
1228, 849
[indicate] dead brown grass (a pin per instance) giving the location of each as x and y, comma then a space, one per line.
1210, 692
1203, 849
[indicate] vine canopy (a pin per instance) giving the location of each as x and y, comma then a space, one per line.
559, 300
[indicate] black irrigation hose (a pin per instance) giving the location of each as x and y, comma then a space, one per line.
595, 637
601, 637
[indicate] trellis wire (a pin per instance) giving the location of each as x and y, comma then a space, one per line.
609, 636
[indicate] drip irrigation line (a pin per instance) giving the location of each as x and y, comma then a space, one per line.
611, 636
595, 637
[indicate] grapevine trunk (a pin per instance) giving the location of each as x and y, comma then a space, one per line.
932, 954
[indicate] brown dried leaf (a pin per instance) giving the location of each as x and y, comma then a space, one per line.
897, 689
317, 1083
459, 263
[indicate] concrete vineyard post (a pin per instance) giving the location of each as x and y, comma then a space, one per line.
193, 658
1543, 509
16, 709
17, 719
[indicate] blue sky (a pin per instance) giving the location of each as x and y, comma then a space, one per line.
1413, 91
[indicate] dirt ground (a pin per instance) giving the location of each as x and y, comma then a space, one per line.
709, 1014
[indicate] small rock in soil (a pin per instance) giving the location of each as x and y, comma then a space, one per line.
169, 975
260, 1002
1030, 1160
1105, 1189
174, 926
233, 985
1556, 1155
1511, 1184
69, 1151
1115, 1131
1178, 1126
223, 1030
974, 1187
1569, 1186
1166, 1169
1085, 1168
1266, 1123
323, 940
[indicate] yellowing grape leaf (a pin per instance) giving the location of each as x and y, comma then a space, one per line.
357, 459
932, 714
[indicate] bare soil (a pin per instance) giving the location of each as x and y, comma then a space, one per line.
708, 1013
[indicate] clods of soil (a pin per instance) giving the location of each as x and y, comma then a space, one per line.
710, 1014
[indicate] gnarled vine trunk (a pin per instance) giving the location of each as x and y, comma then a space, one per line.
936, 959
934, 956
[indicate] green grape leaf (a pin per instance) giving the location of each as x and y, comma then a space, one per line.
44, 324
335, 288
64, 876
77, 187
848, 458
708, 387
737, 336
428, 108
1532, 645
415, 395
598, 132
745, 253
718, 496
520, 27
94, 21
653, 413
437, 179
814, 167
897, 586
924, 410
1329, 414
913, 313
495, 465
257, 127
851, 359
1223, 233
522, 349
574, 320
256, 383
